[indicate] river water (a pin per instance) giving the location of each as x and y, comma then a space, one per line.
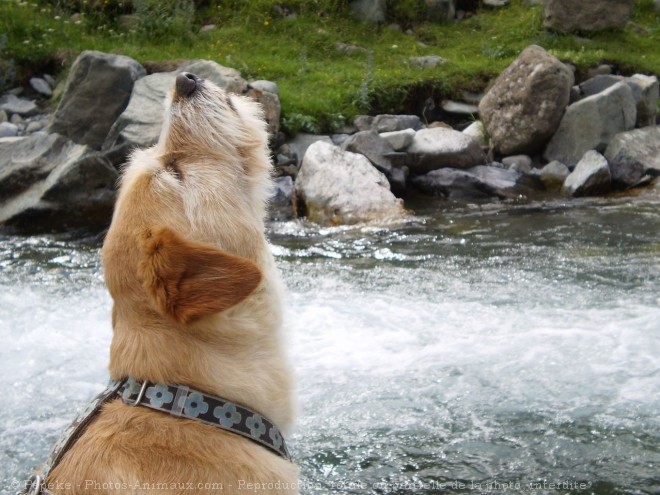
498, 348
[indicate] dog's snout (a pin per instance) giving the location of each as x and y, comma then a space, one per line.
186, 84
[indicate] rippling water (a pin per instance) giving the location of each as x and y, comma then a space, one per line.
472, 349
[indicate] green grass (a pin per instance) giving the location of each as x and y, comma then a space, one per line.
318, 84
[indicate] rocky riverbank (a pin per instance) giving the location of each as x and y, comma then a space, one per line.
538, 134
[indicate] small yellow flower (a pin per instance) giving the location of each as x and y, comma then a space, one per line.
266, 23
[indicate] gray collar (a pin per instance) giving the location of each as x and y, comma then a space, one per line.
184, 402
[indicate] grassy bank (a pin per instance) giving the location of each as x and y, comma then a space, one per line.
320, 86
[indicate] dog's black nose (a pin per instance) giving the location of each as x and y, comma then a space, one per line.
186, 83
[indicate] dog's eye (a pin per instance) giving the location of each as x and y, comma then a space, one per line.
173, 168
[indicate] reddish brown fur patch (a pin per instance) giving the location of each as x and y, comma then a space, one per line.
189, 280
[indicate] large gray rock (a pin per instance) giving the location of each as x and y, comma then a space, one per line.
570, 16
48, 183
97, 91
645, 90
591, 176
339, 187
140, 124
481, 182
633, 154
590, 124
523, 108
440, 147
378, 151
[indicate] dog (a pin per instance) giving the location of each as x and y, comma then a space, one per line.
197, 301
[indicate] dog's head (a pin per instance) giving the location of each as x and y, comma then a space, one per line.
186, 236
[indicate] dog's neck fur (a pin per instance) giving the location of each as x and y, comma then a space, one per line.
210, 353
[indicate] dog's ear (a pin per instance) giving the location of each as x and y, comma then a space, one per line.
189, 280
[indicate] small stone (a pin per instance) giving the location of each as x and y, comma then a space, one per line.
208, 28
438, 124
496, 3
399, 140
41, 86
16, 119
590, 177
520, 163
349, 49
554, 174
3, 116
428, 62
478, 132
7, 129
50, 80
34, 126
15, 105
459, 108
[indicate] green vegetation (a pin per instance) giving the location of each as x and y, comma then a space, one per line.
320, 85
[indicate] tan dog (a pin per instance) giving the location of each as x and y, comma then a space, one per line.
197, 301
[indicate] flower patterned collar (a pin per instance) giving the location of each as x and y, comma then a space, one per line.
184, 402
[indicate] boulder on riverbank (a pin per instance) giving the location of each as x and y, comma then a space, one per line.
97, 91
570, 16
379, 152
525, 105
439, 147
633, 155
49, 183
339, 187
591, 123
